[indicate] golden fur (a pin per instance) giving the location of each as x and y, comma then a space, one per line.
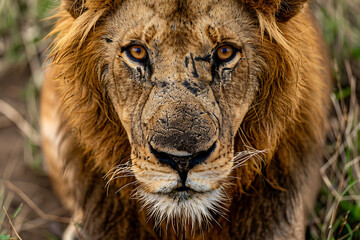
271, 110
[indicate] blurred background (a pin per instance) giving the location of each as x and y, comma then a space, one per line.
29, 209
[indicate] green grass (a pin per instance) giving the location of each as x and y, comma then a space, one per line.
337, 209
21, 32
21, 26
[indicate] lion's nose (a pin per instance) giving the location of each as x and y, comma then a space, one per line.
182, 162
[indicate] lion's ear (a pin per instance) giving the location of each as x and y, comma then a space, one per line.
74, 7
78, 7
283, 9
289, 8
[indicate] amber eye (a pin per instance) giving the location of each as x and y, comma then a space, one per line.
137, 52
225, 53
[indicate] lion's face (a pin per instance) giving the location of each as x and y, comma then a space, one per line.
181, 79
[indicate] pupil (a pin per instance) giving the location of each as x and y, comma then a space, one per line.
138, 50
224, 50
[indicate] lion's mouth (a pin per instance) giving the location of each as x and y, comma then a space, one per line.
183, 193
182, 189
182, 184
182, 174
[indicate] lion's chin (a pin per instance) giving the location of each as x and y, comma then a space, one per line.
189, 208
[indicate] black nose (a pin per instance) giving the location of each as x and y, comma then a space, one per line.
182, 164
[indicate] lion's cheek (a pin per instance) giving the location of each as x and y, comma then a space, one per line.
238, 115
125, 118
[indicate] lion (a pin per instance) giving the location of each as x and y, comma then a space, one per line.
185, 119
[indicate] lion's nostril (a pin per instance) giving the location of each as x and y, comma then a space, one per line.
164, 158
200, 157
182, 163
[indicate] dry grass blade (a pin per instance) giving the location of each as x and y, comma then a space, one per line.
343, 223
5, 202
20, 122
343, 165
34, 207
348, 234
11, 223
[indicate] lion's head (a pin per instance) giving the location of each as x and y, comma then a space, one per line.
171, 78
192, 89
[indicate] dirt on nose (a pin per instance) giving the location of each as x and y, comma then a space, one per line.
183, 128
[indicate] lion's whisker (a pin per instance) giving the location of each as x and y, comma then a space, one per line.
115, 176
243, 156
119, 166
114, 173
130, 183
234, 177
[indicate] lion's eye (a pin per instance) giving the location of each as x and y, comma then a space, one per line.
225, 53
137, 52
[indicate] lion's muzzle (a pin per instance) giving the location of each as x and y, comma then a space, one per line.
182, 137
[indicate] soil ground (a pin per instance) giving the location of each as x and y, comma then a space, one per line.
13, 168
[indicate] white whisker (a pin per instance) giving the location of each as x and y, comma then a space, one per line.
121, 170
242, 157
130, 183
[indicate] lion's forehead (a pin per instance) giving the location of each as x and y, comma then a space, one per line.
178, 23
181, 9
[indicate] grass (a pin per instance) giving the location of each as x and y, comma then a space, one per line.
7, 229
337, 211
21, 32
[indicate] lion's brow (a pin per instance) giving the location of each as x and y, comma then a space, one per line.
149, 33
